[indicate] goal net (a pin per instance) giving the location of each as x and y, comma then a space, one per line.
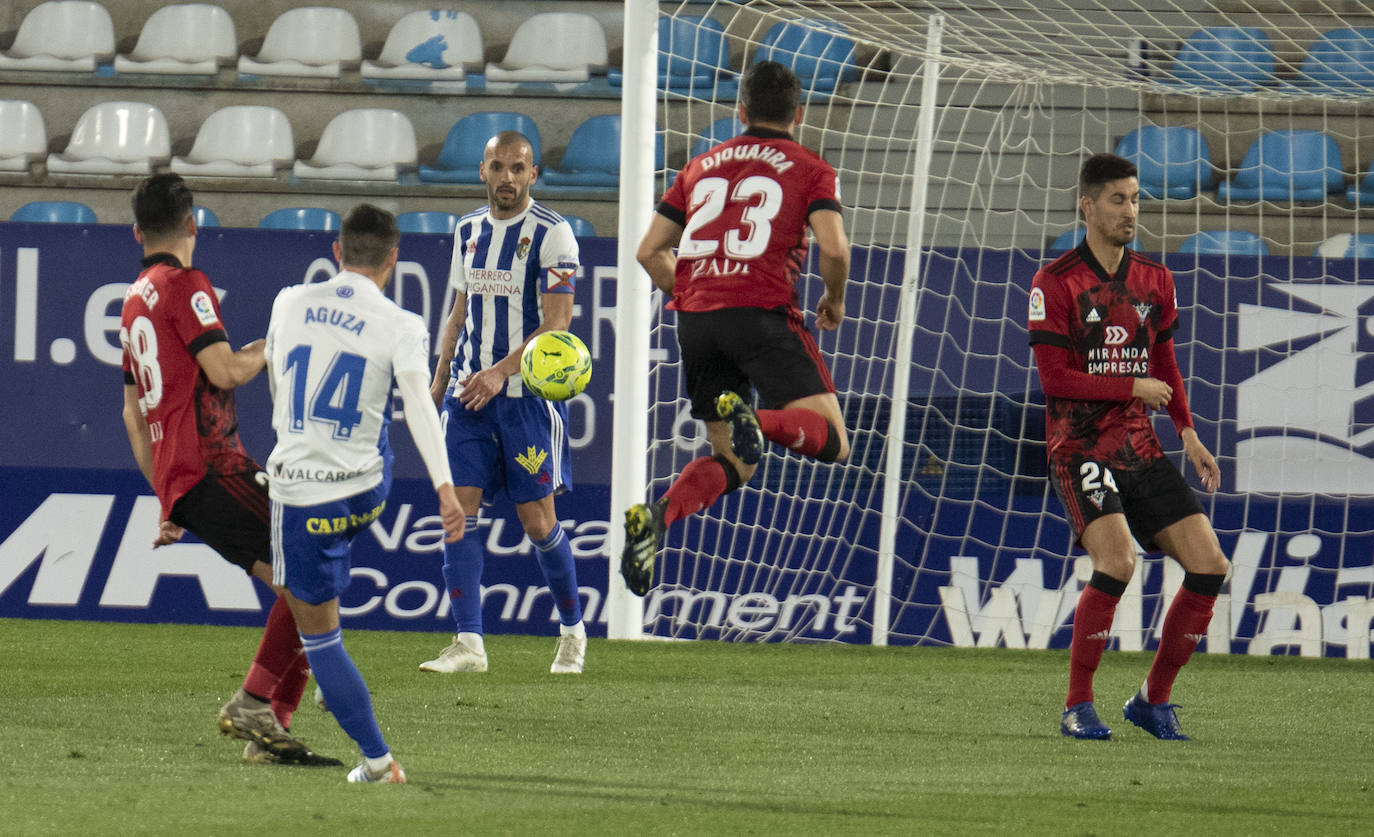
957, 130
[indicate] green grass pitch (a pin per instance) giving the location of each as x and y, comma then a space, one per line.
109, 729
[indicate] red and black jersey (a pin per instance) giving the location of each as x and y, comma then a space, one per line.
170, 313
1112, 328
743, 207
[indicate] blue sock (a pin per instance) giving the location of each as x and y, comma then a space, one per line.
463, 578
556, 560
344, 690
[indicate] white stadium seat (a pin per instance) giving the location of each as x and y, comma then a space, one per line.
363, 144
115, 138
428, 46
553, 46
315, 41
23, 137
62, 36
240, 141
183, 39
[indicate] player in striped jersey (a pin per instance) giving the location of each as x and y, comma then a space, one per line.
333, 351
514, 264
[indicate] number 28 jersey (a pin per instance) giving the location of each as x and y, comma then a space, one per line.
743, 206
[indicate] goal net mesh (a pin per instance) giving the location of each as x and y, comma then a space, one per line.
1223, 107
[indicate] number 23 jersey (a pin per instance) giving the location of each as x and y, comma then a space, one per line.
744, 206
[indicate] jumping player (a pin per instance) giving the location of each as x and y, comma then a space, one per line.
179, 377
1101, 322
738, 216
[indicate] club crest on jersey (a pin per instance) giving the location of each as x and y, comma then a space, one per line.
532, 459
344, 292
472, 247
1097, 497
1142, 310
1037, 306
204, 309
1093, 316
524, 249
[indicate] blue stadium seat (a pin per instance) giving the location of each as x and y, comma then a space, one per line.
1070, 239
592, 158
55, 212
1174, 162
442, 223
819, 52
1225, 242
721, 130
1340, 61
461, 155
1235, 59
692, 55
1363, 193
581, 227
1347, 246
1287, 165
205, 217
301, 218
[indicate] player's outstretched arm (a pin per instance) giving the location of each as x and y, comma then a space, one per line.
1203, 461
828, 227
226, 368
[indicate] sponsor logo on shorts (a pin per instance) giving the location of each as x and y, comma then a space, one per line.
343, 523
532, 459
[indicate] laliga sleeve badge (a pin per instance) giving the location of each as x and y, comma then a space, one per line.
1037, 306
204, 309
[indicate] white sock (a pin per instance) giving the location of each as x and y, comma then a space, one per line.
473, 641
579, 630
380, 763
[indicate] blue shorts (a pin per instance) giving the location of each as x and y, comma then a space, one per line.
515, 446
310, 544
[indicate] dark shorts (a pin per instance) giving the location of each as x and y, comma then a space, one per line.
1151, 497
229, 512
734, 348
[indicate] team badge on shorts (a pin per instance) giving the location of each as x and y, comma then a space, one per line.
532, 459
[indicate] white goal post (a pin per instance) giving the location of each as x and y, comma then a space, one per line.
957, 129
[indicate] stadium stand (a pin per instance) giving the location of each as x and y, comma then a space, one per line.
1226, 58
553, 46
183, 39
1069, 239
1347, 246
116, 138
62, 36
55, 212
1340, 62
581, 227
23, 137
592, 158
1362, 192
302, 218
431, 222
240, 141
205, 217
1287, 165
461, 155
1225, 242
428, 45
722, 129
315, 41
693, 55
1174, 161
363, 144
817, 51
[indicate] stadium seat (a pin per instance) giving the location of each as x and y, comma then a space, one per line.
819, 52
692, 54
1224, 242
592, 158
66, 36
205, 217
240, 141
1287, 165
55, 212
23, 137
428, 45
1347, 246
1174, 161
115, 138
362, 144
461, 155
1363, 192
315, 41
183, 39
427, 222
1340, 61
1069, 239
553, 46
721, 130
1234, 59
301, 218
581, 227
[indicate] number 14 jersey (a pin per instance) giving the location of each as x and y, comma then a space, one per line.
744, 206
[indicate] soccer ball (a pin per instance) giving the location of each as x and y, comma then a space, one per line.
556, 365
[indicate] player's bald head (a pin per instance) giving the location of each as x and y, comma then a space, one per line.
509, 141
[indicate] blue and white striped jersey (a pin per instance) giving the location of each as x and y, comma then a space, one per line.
505, 268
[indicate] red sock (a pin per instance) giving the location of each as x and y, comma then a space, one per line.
801, 430
1092, 627
278, 650
290, 688
1185, 625
699, 485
